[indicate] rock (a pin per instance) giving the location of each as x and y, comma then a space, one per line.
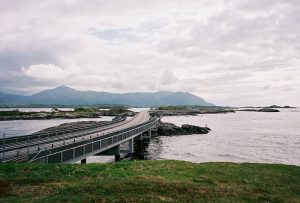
169, 129
190, 112
260, 110
268, 110
246, 110
191, 129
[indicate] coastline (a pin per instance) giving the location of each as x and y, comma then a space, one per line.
57, 114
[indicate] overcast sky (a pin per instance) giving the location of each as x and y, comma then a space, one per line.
230, 52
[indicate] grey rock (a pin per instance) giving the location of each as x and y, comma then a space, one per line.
169, 129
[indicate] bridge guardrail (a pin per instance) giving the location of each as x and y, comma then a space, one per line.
26, 138
32, 144
71, 151
29, 152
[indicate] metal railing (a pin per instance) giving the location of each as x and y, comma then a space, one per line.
92, 146
10, 150
44, 134
25, 153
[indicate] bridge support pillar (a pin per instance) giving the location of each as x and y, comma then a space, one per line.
138, 146
129, 149
83, 161
114, 151
139, 137
149, 133
117, 157
131, 146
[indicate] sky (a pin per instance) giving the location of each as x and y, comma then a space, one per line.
229, 52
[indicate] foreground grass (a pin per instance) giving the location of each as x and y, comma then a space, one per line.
149, 181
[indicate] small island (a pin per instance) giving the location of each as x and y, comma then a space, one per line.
260, 110
79, 112
187, 110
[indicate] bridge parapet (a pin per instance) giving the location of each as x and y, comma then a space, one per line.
86, 148
43, 134
77, 151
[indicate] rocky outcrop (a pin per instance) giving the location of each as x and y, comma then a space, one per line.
260, 110
190, 112
169, 129
56, 114
268, 110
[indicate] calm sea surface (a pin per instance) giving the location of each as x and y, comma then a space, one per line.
26, 127
235, 137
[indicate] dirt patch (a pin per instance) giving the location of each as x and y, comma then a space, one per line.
59, 184
165, 199
5, 186
36, 190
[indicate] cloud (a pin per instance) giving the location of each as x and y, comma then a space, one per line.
229, 52
45, 72
167, 78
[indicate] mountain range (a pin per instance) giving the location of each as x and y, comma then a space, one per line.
67, 96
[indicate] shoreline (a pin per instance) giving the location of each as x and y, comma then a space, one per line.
57, 114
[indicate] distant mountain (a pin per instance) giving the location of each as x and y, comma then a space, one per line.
67, 96
11, 98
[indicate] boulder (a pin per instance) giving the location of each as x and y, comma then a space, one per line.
268, 110
169, 129
192, 129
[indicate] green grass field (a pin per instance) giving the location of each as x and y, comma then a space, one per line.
149, 181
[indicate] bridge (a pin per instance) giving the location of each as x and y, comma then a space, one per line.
76, 144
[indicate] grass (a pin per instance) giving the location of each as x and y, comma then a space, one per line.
150, 181
15, 113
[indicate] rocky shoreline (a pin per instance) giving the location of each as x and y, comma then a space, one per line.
169, 129
56, 114
260, 110
190, 112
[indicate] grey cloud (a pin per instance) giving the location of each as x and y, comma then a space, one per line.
14, 60
167, 78
228, 51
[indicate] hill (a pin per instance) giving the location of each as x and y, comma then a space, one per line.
67, 96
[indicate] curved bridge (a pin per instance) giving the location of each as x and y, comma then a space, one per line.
76, 145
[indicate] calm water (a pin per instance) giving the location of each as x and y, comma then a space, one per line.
235, 137
26, 127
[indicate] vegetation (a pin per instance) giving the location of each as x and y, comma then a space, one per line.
188, 107
118, 110
82, 109
173, 107
15, 113
189, 110
79, 112
149, 181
